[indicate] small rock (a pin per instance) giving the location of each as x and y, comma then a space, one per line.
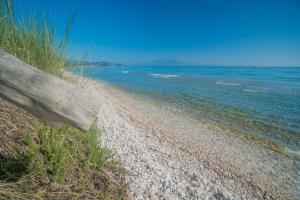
159, 194
188, 188
195, 178
180, 193
151, 195
194, 183
164, 196
204, 181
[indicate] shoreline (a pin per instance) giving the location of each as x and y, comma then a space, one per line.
272, 145
173, 157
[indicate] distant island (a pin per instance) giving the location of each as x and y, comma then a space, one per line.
162, 62
92, 64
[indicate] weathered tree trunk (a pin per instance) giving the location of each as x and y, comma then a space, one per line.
53, 100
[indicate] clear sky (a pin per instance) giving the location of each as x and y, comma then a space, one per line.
211, 32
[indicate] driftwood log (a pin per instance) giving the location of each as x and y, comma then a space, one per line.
53, 100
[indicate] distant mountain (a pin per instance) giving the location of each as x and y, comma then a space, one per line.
166, 62
94, 64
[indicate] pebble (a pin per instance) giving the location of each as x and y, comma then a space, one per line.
156, 168
194, 183
195, 178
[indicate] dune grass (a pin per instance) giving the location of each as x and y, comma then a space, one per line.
33, 40
36, 161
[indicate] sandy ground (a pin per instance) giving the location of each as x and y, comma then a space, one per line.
170, 156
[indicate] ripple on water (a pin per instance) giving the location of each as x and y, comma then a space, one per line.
164, 75
227, 83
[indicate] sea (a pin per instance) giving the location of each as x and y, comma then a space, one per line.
260, 102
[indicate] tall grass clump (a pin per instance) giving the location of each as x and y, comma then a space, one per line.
33, 40
37, 161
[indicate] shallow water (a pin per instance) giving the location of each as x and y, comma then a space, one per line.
259, 101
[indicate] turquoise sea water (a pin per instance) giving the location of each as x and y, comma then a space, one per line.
259, 101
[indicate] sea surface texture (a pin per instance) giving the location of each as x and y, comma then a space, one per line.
260, 102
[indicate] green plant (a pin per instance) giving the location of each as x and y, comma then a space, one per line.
65, 148
54, 163
32, 40
97, 156
37, 161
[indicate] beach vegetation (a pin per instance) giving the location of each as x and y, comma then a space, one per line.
37, 161
33, 40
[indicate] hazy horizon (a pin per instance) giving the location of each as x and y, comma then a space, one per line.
218, 33
187, 64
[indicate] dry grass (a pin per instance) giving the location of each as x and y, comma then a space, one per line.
36, 161
13, 122
25, 171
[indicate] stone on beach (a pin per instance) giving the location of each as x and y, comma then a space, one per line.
160, 167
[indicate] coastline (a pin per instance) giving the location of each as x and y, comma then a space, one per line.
170, 156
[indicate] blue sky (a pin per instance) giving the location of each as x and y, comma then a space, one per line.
211, 32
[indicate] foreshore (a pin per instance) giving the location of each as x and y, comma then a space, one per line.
170, 156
